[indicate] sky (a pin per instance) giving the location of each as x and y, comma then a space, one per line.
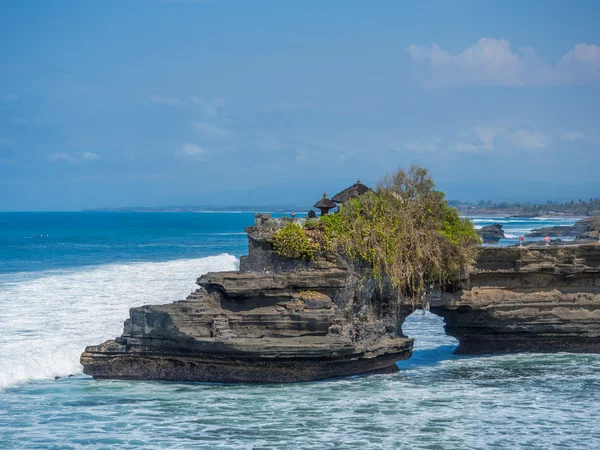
222, 102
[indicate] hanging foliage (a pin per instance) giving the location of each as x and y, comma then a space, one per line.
405, 231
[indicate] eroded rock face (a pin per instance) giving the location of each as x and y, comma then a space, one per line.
280, 320
276, 320
544, 299
491, 233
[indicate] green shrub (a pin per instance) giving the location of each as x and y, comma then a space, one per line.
408, 233
405, 231
292, 241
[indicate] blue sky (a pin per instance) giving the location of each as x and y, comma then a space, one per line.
187, 102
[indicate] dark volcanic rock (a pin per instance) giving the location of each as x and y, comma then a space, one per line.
583, 226
544, 299
263, 324
280, 320
492, 233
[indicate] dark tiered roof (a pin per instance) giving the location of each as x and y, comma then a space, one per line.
325, 203
353, 191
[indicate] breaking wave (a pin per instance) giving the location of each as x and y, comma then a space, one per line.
49, 317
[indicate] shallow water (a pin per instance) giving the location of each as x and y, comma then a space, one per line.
437, 400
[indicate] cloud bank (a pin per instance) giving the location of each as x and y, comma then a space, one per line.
482, 139
492, 62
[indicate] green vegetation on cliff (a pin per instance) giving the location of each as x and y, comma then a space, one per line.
405, 231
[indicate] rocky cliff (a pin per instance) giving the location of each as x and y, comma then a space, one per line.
282, 320
544, 299
276, 320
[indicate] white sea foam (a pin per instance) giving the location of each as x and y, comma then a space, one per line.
47, 319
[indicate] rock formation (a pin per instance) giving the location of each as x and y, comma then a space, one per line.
284, 320
491, 234
584, 229
276, 320
544, 299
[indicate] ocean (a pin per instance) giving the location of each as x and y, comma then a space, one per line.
67, 280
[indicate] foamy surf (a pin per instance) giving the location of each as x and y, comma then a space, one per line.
47, 319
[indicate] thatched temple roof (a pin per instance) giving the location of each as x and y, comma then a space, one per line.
353, 191
325, 203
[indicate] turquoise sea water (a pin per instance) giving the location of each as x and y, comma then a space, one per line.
74, 286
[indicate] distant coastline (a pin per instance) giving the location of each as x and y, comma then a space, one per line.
517, 214
465, 212
204, 209
580, 208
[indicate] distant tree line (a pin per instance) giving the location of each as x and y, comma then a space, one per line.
580, 207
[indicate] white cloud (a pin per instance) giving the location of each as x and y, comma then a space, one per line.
428, 145
89, 156
580, 65
487, 135
301, 155
211, 131
481, 139
211, 107
170, 101
59, 156
492, 62
73, 157
573, 136
527, 139
191, 151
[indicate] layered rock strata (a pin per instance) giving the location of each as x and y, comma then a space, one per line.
544, 299
282, 320
276, 320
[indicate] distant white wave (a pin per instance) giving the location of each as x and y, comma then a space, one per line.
48, 318
227, 234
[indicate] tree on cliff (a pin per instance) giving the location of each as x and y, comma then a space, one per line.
405, 231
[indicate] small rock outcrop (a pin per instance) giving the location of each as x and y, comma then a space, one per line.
491, 234
582, 229
544, 299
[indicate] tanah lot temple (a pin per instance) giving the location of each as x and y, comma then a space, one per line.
350, 192
324, 205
